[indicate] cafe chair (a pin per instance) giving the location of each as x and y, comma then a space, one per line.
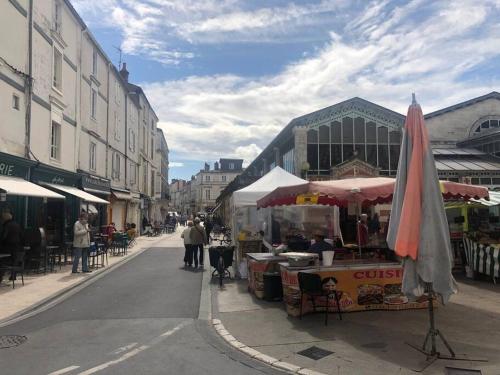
16, 268
311, 287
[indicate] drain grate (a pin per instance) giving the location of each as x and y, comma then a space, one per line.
375, 345
10, 341
461, 371
315, 353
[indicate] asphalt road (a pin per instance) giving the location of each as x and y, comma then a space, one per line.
141, 318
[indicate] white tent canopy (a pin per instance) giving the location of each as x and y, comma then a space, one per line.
277, 177
494, 199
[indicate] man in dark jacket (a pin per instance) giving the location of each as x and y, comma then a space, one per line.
10, 239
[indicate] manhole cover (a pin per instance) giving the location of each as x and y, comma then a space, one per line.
375, 345
9, 341
315, 353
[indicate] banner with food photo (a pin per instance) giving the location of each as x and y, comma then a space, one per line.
357, 289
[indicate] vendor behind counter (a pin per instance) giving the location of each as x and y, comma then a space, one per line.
319, 244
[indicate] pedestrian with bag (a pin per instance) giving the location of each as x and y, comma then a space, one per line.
188, 253
198, 240
81, 243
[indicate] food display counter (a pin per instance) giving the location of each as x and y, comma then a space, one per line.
361, 284
258, 264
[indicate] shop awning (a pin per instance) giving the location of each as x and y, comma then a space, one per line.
494, 199
78, 193
18, 186
125, 196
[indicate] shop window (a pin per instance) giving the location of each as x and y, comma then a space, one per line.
324, 156
347, 130
383, 156
336, 154
348, 152
371, 154
312, 136
324, 134
359, 130
371, 132
485, 181
312, 156
55, 141
383, 135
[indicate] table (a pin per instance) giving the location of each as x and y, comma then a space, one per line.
258, 264
361, 284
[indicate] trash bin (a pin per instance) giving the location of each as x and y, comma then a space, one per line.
273, 290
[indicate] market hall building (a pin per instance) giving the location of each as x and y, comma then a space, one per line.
358, 138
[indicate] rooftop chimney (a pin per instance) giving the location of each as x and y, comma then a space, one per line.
207, 167
124, 72
216, 166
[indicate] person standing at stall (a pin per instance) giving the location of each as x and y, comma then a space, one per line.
188, 253
198, 239
319, 244
81, 243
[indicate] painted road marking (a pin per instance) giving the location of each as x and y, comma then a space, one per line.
64, 370
135, 351
125, 348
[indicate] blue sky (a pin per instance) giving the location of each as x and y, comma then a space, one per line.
225, 76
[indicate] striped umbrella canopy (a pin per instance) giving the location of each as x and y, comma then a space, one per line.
418, 228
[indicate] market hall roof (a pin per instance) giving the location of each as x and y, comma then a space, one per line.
491, 95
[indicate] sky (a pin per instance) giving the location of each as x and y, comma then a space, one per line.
225, 76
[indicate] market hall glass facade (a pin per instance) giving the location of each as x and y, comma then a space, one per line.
372, 142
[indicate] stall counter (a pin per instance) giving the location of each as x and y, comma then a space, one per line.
258, 264
362, 285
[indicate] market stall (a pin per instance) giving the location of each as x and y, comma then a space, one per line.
258, 265
367, 278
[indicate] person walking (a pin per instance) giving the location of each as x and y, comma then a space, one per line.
198, 239
81, 243
188, 253
208, 227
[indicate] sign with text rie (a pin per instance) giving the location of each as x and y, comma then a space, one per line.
359, 289
14, 166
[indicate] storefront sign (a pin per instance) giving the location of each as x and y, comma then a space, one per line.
7, 169
358, 290
52, 175
96, 184
14, 166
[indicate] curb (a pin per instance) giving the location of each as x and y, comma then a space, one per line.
32, 310
271, 361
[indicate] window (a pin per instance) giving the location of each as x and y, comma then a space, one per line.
117, 92
231, 165
207, 194
347, 130
115, 166
15, 101
131, 141
207, 178
55, 141
94, 62
92, 156
144, 140
152, 148
223, 178
117, 127
93, 104
152, 125
133, 173
58, 16
57, 70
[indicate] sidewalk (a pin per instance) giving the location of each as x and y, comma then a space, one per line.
371, 342
42, 287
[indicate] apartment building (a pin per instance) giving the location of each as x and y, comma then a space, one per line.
71, 120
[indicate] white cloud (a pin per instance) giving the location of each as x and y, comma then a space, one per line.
225, 115
175, 164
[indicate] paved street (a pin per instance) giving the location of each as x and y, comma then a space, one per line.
141, 318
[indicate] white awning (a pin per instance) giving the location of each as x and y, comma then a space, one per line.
494, 199
121, 195
78, 193
18, 186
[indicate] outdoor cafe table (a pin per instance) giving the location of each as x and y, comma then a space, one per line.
258, 264
362, 285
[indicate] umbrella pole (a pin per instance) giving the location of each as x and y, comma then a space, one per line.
431, 352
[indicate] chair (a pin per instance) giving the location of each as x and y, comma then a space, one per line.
17, 267
311, 287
